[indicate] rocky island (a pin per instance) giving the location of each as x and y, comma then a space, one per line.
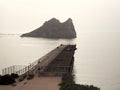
54, 29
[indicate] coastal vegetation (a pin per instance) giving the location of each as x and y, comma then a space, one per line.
8, 79
69, 84
30, 76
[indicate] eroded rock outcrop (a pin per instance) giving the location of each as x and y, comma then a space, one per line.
54, 29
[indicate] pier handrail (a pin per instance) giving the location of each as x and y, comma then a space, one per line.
29, 67
32, 65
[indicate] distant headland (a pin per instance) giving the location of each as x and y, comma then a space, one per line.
54, 29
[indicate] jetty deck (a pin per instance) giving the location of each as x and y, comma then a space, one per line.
63, 62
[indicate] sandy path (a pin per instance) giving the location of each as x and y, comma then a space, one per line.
3, 87
41, 83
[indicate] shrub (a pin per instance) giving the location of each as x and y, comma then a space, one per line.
13, 84
21, 79
30, 76
14, 75
6, 80
69, 84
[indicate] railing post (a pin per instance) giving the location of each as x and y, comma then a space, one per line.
3, 71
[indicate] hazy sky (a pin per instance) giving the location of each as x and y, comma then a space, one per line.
18, 16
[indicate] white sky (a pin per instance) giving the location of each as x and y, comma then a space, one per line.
18, 16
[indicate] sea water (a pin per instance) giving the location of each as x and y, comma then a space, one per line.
97, 58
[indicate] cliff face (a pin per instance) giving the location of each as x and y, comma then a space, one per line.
54, 29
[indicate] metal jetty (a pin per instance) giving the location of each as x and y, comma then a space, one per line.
56, 63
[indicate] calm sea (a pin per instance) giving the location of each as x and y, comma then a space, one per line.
97, 58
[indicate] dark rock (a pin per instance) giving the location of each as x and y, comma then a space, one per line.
54, 29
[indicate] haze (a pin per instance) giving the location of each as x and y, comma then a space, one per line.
20, 16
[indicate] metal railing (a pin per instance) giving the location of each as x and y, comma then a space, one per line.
12, 69
29, 67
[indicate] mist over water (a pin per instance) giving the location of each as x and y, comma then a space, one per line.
96, 59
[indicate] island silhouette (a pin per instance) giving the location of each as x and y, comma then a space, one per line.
53, 28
